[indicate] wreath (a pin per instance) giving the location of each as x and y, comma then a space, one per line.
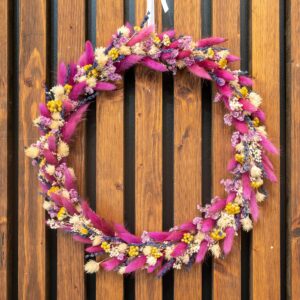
110, 245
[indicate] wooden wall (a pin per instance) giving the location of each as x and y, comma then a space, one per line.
149, 152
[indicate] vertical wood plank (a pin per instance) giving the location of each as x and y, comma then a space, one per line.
70, 254
3, 149
110, 146
31, 258
187, 144
265, 68
227, 272
148, 161
294, 149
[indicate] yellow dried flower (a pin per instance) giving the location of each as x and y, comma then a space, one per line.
62, 213
137, 28
68, 88
255, 121
133, 251
166, 40
84, 231
54, 105
105, 246
113, 53
218, 234
244, 91
222, 63
155, 252
53, 189
87, 67
257, 184
232, 208
156, 39
210, 52
187, 238
239, 157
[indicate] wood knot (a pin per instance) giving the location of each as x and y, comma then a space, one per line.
28, 82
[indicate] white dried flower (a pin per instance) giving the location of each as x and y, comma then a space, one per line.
255, 99
138, 49
151, 261
262, 130
199, 237
50, 169
168, 252
97, 240
122, 247
185, 259
124, 50
247, 224
260, 197
255, 172
32, 152
91, 82
63, 149
47, 205
153, 50
226, 220
121, 270
147, 250
91, 266
56, 116
58, 91
124, 30
215, 250
239, 147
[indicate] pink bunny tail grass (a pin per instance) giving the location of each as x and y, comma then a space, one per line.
183, 54
82, 240
269, 172
44, 110
170, 33
232, 58
208, 64
225, 90
248, 106
94, 249
246, 186
77, 90
188, 226
207, 225
210, 41
71, 73
68, 106
159, 236
111, 264
43, 187
136, 264
70, 126
268, 145
217, 206
254, 207
175, 236
151, 269
232, 164
128, 62
179, 249
199, 71
231, 196
62, 74
267, 161
56, 199
224, 74
240, 126
69, 206
52, 143
125, 235
154, 65
244, 80
97, 221
88, 55
141, 35
69, 180
260, 114
104, 86
202, 251
49, 156
228, 241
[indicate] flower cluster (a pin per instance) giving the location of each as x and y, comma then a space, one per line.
212, 231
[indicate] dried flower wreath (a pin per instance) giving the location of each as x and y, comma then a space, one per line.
110, 245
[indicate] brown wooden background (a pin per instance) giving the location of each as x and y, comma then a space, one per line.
153, 149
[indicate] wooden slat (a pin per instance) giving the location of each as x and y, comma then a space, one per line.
187, 145
110, 147
3, 149
148, 159
32, 65
70, 254
293, 154
227, 272
265, 69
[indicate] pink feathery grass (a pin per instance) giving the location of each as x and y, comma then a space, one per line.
240, 126
231, 164
179, 249
188, 226
246, 186
245, 80
183, 54
153, 64
97, 221
56, 199
82, 240
71, 73
49, 156
125, 235
111, 264
68, 106
207, 225
104, 86
217, 206
267, 144
52, 143
228, 241
62, 74
43, 187
260, 114
44, 110
269, 172
94, 249
248, 106
225, 90
141, 35
210, 41
202, 251
224, 74
170, 33
254, 207
128, 62
267, 161
88, 55
174, 45
136, 264
151, 269
232, 58
70, 126
77, 90
174, 236
199, 71
69, 180
231, 196
159, 236
208, 64
69, 206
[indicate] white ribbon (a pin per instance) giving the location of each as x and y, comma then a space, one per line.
151, 10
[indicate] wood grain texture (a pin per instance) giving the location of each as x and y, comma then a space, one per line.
293, 131
187, 145
148, 159
227, 272
110, 146
70, 254
4, 272
265, 70
31, 240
